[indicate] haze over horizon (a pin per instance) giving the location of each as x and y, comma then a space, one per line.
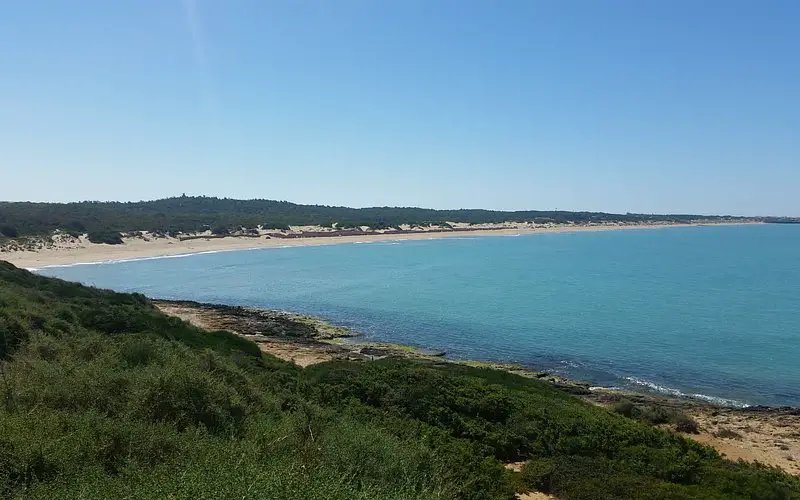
672, 107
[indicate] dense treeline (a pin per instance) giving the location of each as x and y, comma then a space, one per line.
193, 214
782, 220
102, 396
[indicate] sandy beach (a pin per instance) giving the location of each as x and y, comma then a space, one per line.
80, 250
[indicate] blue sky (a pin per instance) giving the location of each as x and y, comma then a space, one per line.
642, 106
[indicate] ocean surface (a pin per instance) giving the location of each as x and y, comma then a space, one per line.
708, 312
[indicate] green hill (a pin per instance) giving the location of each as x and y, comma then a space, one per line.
105, 397
188, 214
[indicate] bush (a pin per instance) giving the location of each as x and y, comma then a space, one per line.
538, 474
221, 231
625, 408
107, 237
651, 414
9, 231
687, 425
655, 415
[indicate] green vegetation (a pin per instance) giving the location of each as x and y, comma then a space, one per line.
107, 237
657, 415
194, 214
102, 396
687, 425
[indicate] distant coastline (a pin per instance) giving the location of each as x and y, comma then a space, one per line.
62, 249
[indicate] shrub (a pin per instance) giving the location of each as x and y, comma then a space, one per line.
655, 415
136, 352
538, 474
625, 408
107, 237
687, 425
651, 414
187, 398
13, 331
221, 231
9, 231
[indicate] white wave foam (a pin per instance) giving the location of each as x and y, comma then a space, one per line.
677, 393
720, 401
603, 388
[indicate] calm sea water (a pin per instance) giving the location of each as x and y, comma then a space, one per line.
707, 311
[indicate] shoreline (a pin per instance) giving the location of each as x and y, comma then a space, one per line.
770, 435
85, 253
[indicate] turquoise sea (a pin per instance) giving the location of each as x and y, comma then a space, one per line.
709, 312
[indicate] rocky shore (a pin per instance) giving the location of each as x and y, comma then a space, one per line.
301, 339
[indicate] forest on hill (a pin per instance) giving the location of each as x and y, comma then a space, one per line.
103, 396
189, 214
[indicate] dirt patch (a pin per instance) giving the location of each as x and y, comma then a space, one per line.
766, 435
534, 495
771, 437
193, 316
305, 352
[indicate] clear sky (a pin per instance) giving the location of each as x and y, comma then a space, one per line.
643, 106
